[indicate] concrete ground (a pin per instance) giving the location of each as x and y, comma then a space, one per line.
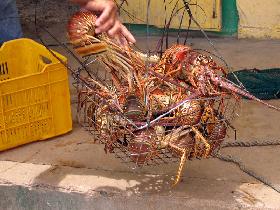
71, 172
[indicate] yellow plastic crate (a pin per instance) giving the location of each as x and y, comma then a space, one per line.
34, 94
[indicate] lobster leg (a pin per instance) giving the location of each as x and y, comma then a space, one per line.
201, 138
181, 166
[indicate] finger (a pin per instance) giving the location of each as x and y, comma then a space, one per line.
127, 34
121, 40
107, 9
105, 16
116, 29
106, 26
95, 6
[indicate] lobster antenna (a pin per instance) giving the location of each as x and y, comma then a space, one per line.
210, 42
163, 32
180, 27
190, 20
187, 8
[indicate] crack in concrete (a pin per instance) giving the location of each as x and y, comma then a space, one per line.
17, 162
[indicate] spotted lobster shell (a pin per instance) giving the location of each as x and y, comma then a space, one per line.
81, 33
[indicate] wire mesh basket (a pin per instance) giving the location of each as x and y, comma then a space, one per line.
150, 110
197, 126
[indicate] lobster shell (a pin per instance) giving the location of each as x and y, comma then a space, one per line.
81, 33
141, 146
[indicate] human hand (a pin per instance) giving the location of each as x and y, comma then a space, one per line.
108, 20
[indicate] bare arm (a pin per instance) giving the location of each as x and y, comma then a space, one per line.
108, 21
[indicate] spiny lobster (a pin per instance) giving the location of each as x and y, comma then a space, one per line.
201, 72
